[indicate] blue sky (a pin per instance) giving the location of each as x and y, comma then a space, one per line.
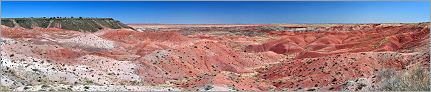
227, 12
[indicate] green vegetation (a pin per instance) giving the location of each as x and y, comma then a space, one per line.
43, 23
7, 22
208, 87
112, 24
77, 24
80, 25
25, 23
381, 42
88, 82
86, 87
108, 23
271, 28
4, 88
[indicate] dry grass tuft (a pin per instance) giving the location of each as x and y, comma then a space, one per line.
416, 78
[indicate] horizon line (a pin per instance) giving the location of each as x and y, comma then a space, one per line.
206, 23
267, 23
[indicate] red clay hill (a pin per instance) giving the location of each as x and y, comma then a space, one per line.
260, 57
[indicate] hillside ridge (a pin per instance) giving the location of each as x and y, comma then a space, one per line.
77, 24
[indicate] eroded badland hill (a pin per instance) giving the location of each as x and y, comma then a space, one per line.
103, 54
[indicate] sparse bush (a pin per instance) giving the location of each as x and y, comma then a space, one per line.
271, 28
108, 24
414, 79
4, 88
86, 87
208, 87
7, 22
253, 33
41, 22
24, 23
89, 82
381, 43
81, 24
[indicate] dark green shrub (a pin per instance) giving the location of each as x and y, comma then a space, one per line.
7, 22
271, 28
78, 24
25, 23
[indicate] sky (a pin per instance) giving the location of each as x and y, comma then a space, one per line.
275, 12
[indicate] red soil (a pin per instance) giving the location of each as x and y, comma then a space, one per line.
322, 59
317, 44
18, 33
131, 36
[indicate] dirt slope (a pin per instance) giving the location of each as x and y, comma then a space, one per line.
77, 24
214, 57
